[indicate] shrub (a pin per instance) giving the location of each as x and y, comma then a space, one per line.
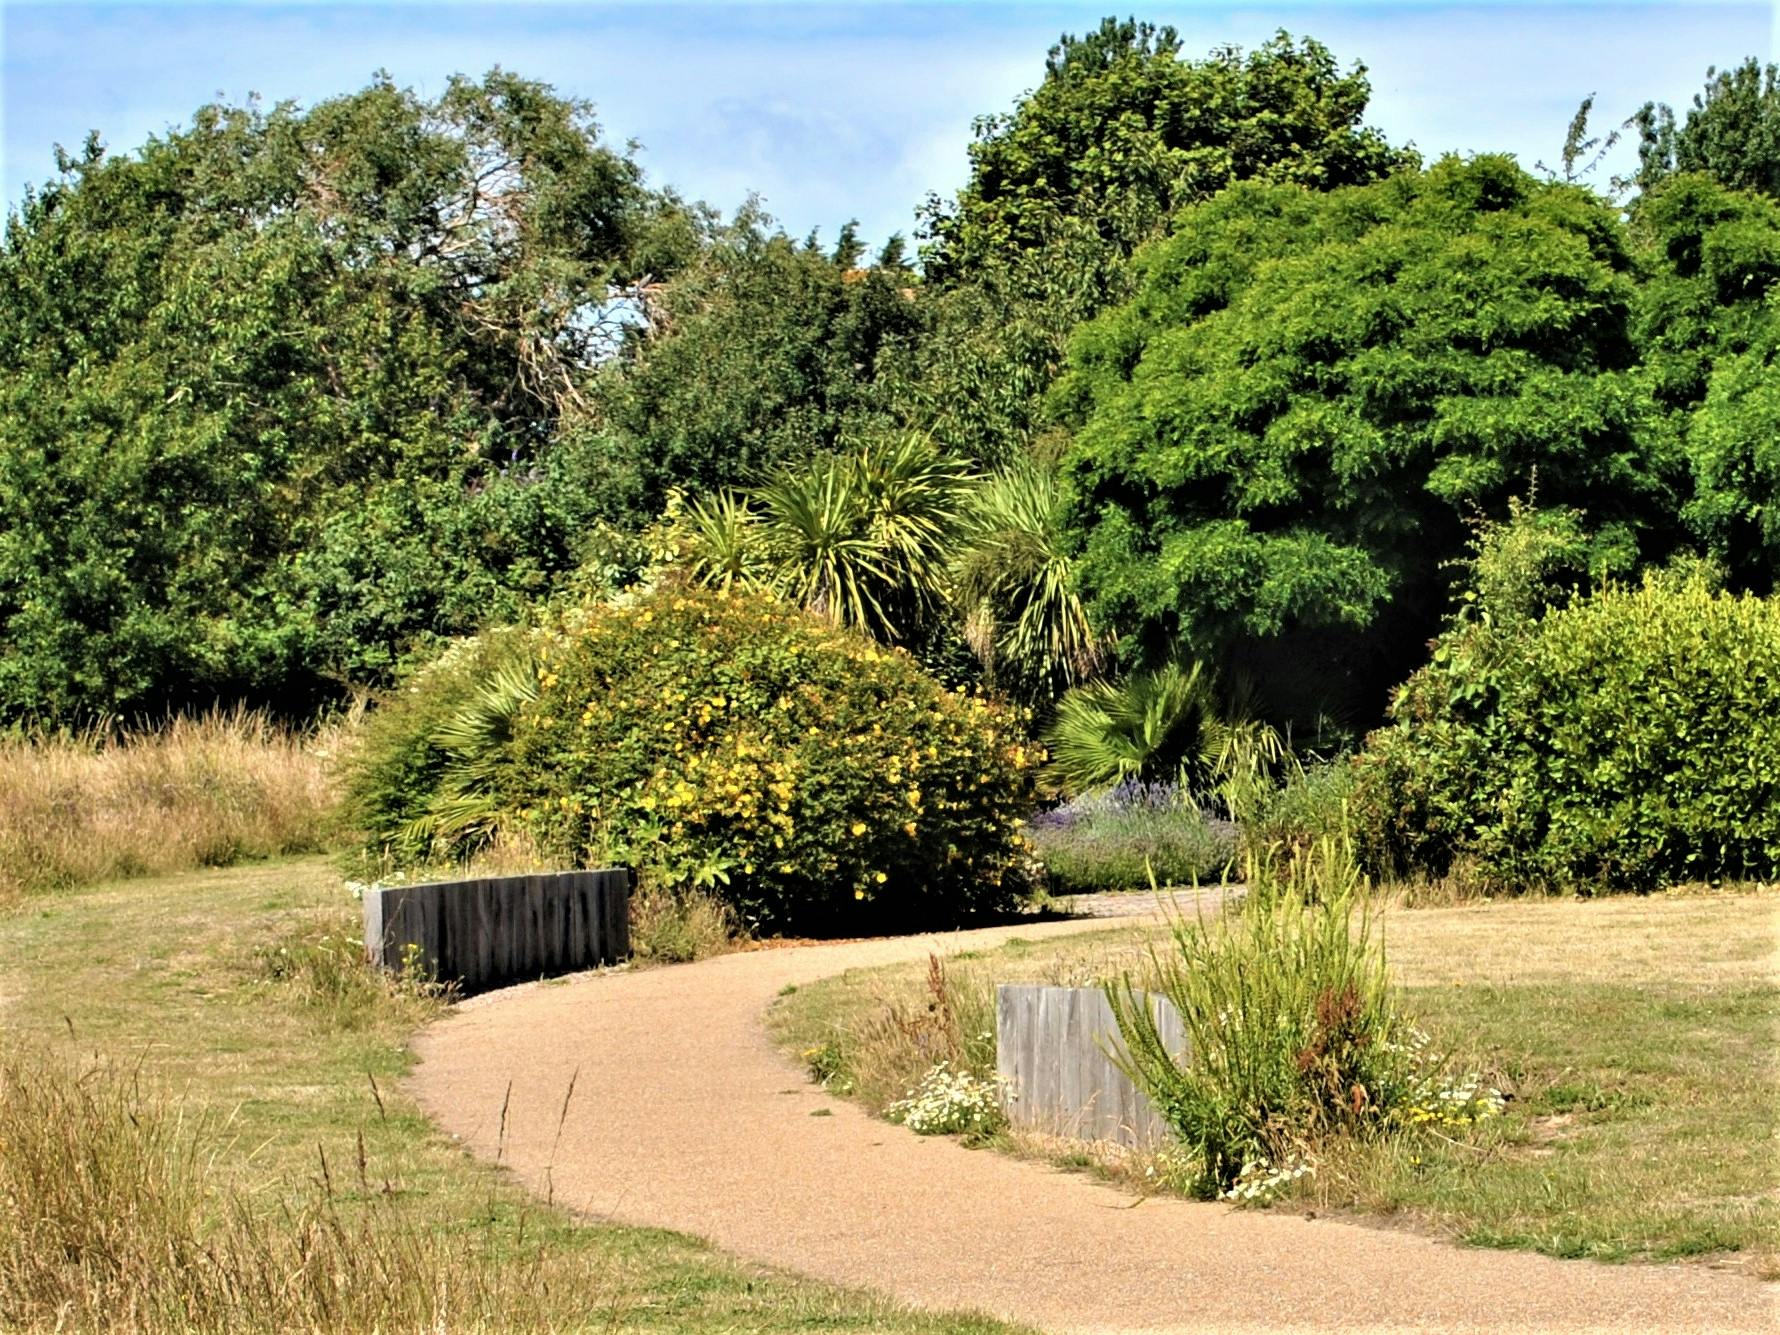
731, 742
1304, 803
1629, 739
1292, 1025
397, 766
1125, 838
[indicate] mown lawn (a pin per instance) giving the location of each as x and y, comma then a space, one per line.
282, 1063
1636, 1037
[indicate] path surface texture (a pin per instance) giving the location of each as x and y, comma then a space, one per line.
683, 1115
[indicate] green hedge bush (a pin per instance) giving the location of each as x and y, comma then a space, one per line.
805, 775
1628, 740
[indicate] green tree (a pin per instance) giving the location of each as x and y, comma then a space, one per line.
761, 352
1122, 131
234, 362
1730, 133
1281, 436
1708, 336
1120, 134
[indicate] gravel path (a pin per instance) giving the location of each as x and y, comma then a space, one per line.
683, 1115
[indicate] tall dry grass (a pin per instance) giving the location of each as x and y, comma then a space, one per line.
196, 792
112, 1219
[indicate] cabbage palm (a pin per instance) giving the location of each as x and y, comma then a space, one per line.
1162, 724
725, 543
865, 539
1014, 587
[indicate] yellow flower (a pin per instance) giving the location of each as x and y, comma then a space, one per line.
858, 828
859, 894
881, 878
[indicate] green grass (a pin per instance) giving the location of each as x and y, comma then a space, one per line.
277, 1067
1636, 1036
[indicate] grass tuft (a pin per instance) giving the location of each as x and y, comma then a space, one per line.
112, 1218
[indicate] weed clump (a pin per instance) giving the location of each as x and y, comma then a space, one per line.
1294, 1030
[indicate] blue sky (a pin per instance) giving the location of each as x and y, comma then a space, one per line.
828, 110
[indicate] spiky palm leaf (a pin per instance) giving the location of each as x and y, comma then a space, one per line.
1015, 587
917, 498
819, 539
1151, 724
865, 539
724, 543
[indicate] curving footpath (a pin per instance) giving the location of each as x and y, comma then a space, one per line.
684, 1116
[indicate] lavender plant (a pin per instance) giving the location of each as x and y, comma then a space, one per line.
1128, 836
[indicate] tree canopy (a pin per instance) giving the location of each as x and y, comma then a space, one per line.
760, 352
242, 368
1731, 132
1122, 131
1282, 435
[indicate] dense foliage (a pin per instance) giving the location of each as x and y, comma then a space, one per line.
1731, 132
762, 352
1708, 335
1282, 433
1122, 131
1625, 739
726, 741
274, 389
1198, 369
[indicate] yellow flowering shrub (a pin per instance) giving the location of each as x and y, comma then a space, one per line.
810, 776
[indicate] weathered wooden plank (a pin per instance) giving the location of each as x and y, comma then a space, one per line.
1055, 1054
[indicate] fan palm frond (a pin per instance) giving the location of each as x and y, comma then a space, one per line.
1150, 724
465, 810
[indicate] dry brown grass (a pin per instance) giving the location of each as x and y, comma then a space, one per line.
112, 1218
198, 792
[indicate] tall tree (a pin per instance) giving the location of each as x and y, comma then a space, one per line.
1282, 435
761, 352
1120, 134
1730, 133
1122, 131
1708, 335
262, 352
